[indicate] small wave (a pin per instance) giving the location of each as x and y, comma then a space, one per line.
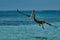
16, 23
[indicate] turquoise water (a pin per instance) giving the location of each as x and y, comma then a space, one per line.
14, 26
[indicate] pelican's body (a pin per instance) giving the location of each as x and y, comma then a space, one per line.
37, 21
40, 22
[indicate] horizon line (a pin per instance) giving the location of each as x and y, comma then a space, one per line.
30, 10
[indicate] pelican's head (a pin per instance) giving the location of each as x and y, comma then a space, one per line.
33, 13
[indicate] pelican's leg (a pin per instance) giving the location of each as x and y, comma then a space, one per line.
42, 26
39, 24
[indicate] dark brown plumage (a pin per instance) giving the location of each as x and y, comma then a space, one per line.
40, 22
36, 21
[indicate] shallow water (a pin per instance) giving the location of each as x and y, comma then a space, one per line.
19, 27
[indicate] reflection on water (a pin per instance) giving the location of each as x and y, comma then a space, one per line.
41, 38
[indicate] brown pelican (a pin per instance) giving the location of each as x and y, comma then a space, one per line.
37, 21
40, 22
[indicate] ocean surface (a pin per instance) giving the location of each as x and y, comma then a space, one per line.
15, 26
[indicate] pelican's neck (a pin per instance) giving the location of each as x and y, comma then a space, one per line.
33, 14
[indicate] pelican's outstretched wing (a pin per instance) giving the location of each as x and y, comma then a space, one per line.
51, 25
23, 13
